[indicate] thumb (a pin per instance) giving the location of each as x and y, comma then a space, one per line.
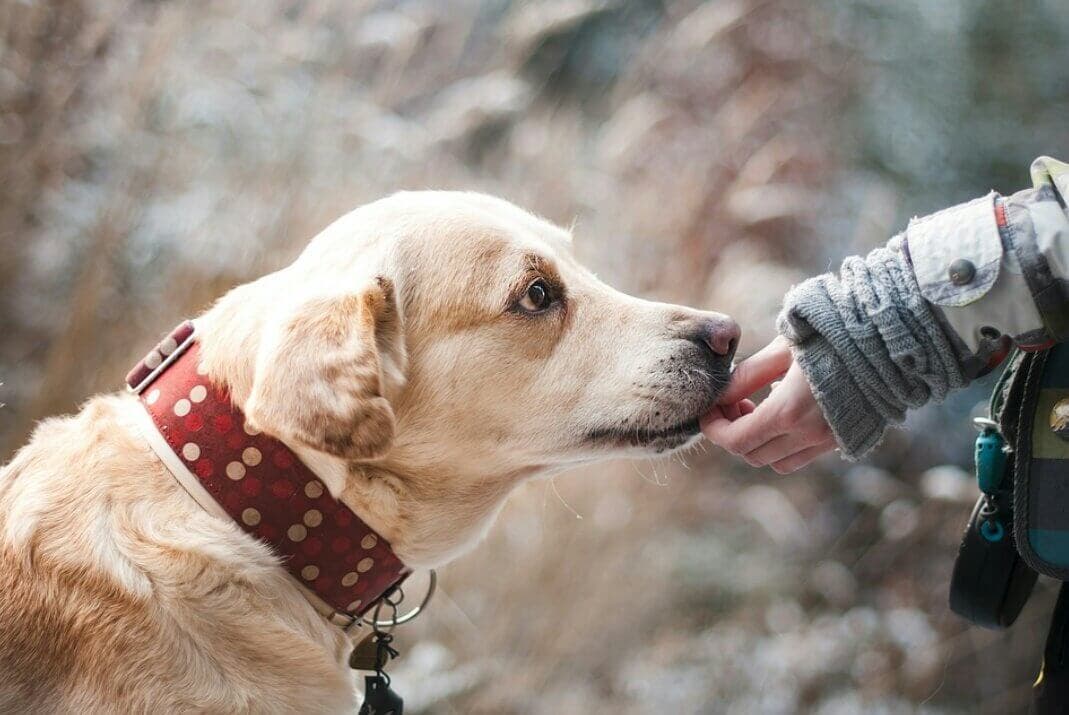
760, 369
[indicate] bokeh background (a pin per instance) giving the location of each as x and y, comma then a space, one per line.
155, 153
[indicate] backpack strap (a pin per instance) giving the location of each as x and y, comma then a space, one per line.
1041, 464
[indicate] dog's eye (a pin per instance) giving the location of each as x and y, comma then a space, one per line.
537, 298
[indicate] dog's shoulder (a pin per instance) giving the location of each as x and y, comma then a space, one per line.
63, 612
108, 570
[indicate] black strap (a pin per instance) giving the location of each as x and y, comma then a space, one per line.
1050, 696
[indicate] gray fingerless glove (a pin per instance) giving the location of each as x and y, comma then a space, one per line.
870, 346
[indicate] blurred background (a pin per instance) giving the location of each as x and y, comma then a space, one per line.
154, 154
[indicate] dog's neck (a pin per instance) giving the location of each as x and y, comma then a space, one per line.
429, 515
437, 515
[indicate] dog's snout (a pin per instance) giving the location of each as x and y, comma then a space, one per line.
720, 334
723, 336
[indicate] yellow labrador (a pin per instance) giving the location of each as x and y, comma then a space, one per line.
423, 356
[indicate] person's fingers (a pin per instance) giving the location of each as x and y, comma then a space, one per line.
796, 461
732, 411
777, 449
741, 436
727, 412
739, 409
756, 371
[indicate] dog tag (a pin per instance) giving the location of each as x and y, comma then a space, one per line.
365, 655
379, 699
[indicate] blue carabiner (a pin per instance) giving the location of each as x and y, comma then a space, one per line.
990, 454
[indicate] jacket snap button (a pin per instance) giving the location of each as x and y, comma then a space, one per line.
1059, 419
962, 272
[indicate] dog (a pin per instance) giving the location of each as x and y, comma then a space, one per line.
422, 357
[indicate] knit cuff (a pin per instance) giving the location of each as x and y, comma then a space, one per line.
857, 427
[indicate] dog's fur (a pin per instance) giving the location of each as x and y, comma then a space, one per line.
396, 358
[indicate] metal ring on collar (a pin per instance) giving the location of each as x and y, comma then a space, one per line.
396, 620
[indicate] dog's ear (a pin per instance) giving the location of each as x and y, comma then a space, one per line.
319, 379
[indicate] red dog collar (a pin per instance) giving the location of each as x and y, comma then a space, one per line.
260, 483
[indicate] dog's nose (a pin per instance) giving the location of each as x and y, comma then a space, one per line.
720, 333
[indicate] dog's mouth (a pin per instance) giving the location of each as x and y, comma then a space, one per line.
661, 439
663, 434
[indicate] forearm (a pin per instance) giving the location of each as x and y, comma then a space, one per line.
870, 346
911, 321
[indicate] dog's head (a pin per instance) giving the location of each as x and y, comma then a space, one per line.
455, 334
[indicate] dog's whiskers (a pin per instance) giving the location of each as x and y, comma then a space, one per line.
642, 476
569, 507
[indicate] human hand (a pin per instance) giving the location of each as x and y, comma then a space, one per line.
787, 430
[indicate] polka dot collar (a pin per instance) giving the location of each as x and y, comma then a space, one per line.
260, 483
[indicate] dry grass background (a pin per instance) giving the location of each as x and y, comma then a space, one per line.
154, 154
